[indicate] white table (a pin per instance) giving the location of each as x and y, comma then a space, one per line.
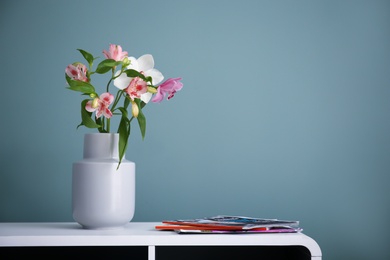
151, 243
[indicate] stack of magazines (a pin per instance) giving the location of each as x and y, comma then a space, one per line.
230, 224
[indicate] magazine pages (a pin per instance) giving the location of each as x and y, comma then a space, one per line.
230, 224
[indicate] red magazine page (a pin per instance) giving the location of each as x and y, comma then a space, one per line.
230, 224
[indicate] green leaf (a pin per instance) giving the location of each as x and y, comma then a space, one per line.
149, 79
141, 119
143, 104
124, 133
81, 86
87, 56
124, 114
127, 102
86, 119
133, 73
100, 122
106, 65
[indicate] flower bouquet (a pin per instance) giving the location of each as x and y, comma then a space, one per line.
137, 83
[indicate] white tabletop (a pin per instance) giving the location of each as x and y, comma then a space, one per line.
136, 234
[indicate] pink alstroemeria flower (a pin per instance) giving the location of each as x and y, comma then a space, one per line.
115, 52
136, 88
169, 87
77, 72
101, 106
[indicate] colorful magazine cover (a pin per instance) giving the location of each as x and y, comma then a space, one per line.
267, 231
230, 224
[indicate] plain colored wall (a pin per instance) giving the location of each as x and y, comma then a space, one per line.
284, 112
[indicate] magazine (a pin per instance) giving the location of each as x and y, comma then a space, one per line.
273, 230
230, 224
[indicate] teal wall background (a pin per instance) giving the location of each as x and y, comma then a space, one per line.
284, 112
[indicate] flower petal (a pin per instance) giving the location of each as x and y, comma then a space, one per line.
122, 81
99, 113
146, 97
145, 62
115, 52
156, 75
89, 107
169, 87
107, 113
133, 64
107, 98
159, 96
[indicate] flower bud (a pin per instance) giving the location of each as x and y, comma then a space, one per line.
93, 95
95, 103
152, 90
134, 109
126, 62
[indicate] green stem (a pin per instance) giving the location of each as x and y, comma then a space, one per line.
117, 98
112, 77
108, 85
101, 122
108, 124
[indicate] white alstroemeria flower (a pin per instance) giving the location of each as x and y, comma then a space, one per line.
144, 65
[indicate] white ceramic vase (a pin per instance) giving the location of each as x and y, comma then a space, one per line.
103, 197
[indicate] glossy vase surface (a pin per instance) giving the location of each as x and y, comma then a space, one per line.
103, 197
